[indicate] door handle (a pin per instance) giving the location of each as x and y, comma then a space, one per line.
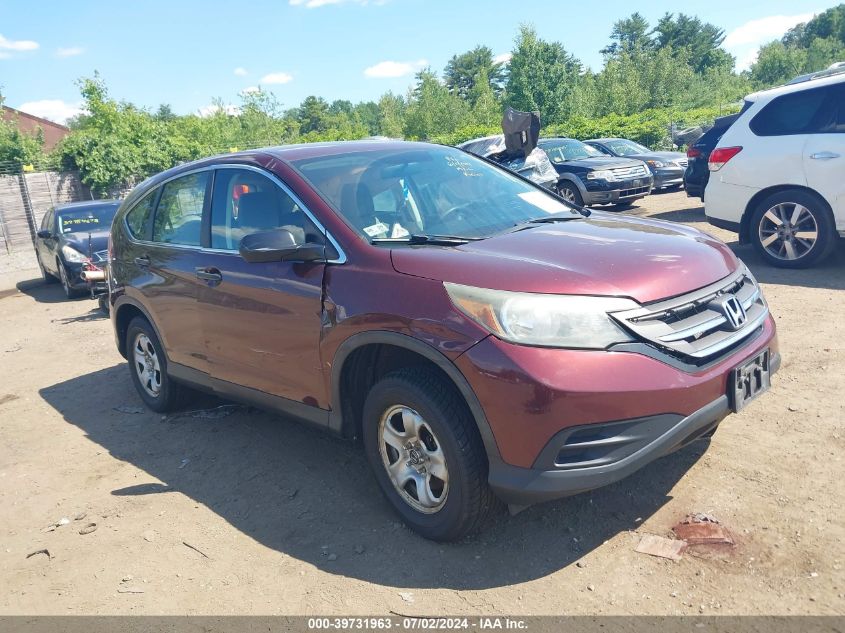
210, 274
824, 155
142, 262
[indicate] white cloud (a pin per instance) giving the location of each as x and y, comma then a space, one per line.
277, 78
213, 108
52, 109
313, 4
240, 71
504, 58
17, 45
390, 69
744, 41
70, 51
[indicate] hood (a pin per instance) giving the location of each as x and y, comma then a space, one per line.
604, 254
662, 156
598, 162
79, 241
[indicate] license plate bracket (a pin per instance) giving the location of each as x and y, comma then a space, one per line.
749, 380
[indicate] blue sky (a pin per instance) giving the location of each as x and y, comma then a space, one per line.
188, 52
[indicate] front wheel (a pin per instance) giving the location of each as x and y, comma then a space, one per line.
427, 455
793, 229
70, 292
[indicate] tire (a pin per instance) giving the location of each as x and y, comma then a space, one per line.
70, 293
793, 229
47, 277
158, 390
103, 303
447, 444
570, 193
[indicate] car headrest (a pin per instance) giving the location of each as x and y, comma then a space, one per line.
259, 211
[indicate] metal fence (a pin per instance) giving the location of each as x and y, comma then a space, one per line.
25, 198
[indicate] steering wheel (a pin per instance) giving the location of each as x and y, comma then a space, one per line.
454, 211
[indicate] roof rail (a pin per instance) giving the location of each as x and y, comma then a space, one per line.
837, 68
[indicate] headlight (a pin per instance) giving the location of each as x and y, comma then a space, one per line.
542, 319
72, 255
656, 164
600, 174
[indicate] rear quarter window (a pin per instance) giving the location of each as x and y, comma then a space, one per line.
138, 218
803, 112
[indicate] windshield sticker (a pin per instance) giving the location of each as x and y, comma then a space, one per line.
399, 231
77, 221
379, 229
463, 166
544, 202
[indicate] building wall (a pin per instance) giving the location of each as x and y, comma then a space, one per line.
53, 132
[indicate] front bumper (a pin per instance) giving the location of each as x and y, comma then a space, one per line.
668, 177
607, 192
74, 276
543, 404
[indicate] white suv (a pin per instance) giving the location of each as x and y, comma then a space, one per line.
778, 174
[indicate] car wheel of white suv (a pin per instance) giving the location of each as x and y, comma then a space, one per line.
793, 229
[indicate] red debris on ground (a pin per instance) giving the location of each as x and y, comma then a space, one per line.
702, 529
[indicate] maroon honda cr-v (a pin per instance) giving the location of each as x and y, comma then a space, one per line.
485, 340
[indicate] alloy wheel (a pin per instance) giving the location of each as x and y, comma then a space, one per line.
65, 281
567, 194
147, 364
413, 459
788, 231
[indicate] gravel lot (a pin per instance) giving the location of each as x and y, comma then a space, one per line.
252, 514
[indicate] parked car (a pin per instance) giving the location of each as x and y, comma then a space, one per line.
536, 166
666, 167
484, 339
777, 176
72, 237
588, 176
697, 172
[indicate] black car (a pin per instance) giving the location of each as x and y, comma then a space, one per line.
587, 176
667, 167
71, 237
697, 172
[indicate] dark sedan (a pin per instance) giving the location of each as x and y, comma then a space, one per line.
71, 236
587, 176
667, 167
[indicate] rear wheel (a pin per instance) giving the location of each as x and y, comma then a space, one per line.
427, 455
148, 369
570, 193
793, 229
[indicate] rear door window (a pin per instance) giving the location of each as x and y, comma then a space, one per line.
178, 218
804, 112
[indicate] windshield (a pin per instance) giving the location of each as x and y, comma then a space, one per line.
425, 190
86, 220
561, 150
624, 147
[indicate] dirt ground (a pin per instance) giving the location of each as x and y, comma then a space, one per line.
253, 514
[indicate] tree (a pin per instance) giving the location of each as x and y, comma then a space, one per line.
486, 108
391, 115
367, 114
313, 115
828, 24
542, 77
462, 71
702, 40
432, 109
627, 34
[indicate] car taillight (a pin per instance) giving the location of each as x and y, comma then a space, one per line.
693, 152
720, 156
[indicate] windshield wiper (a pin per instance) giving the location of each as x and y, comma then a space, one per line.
435, 240
549, 219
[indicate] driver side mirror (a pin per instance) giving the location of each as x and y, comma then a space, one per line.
44, 234
279, 245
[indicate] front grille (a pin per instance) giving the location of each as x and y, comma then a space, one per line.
625, 173
694, 326
682, 162
625, 193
